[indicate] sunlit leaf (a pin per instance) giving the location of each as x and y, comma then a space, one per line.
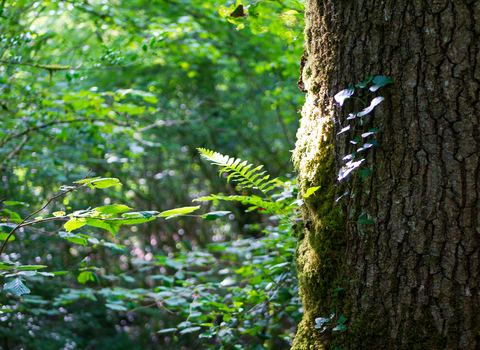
311, 191
75, 223
344, 94
16, 287
112, 209
375, 102
15, 203
177, 212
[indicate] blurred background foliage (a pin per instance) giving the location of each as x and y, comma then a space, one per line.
131, 89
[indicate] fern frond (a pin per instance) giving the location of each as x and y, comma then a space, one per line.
240, 171
251, 200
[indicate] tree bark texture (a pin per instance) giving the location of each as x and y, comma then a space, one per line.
398, 255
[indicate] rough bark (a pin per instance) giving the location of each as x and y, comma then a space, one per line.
410, 280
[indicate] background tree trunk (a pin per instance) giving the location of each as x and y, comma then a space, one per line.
411, 279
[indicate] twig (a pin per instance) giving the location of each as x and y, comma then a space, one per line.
39, 210
74, 120
14, 152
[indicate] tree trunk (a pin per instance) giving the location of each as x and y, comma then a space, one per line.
398, 256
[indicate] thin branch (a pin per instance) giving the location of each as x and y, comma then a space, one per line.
14, 152
78, 186
74, 120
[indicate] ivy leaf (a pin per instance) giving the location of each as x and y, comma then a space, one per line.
345, 129
375, 102
342, 319
348, 168
365, 146
344, 94
365, 82
380, 81
16, 287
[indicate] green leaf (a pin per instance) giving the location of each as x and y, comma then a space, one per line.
175, 301
167, 330
86, 180
104, 183
342, 319
344, 94
59, 214
345, 129
348, 168
177, 212
311, 191
375, 102
190, 330
100, 182
258, 29
13, 216
213, 215
3, 236
86, 276
380, 81
7, 228
140, 214
31, 267
207, 335
71, 237
107, 225
15, 203
74, 223
114, 246
5, 310
16, 287
7, 266
116, 307
365, 82
112, 209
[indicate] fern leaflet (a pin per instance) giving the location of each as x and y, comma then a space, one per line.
240, 171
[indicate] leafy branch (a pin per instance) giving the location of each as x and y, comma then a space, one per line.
68, 190
248, 178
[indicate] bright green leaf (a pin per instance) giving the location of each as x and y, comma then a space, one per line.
177, 212
311, 191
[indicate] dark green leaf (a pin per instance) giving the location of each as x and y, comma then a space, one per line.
380, 81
